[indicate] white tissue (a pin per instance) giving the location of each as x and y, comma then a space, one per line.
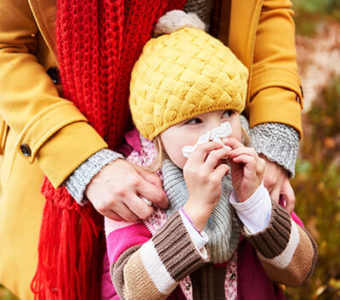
215, 134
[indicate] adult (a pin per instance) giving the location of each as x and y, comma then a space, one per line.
47, 139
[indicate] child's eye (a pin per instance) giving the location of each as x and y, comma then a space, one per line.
193, 121
227, 113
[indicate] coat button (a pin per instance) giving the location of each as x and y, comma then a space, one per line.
187, 286
25, 149
53, 72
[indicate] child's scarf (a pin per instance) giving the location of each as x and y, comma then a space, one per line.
98, 42
222, 228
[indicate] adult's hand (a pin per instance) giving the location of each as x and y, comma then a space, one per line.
277, 183
117, 191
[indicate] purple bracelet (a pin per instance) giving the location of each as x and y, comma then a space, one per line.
189, 219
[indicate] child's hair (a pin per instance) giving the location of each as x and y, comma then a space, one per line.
156, 164
184, 74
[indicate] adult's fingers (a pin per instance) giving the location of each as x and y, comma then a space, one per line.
153, 193
151, 188
139, 207
274, 193
289, 196
148, 176
123, 212
112, 215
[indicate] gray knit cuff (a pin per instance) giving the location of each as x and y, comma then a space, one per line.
278, 142
77, 182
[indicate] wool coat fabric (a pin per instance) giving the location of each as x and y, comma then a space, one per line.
37, 125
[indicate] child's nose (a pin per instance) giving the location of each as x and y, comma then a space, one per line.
215, 122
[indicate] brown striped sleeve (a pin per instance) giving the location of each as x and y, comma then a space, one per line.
176, 249
287, 252
153, 270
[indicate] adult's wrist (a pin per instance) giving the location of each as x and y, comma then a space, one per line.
77, 182
278, 143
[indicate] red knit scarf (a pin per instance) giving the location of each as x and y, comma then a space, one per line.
98, 42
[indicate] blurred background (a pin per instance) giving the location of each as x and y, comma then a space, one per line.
317, 180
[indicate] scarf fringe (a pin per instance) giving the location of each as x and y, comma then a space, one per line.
75, 237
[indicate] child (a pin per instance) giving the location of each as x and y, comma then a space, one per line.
185, 84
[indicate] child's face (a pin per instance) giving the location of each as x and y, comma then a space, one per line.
188, 132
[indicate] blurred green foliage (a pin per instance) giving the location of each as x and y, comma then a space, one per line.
6, 295
317, 188
309, 14
329, 7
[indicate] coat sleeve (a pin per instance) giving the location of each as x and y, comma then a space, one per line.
275, 91
287, 251
145, 267
42, 121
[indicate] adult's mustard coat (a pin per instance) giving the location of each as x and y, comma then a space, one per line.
42, 133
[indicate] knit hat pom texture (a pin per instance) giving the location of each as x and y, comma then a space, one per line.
181, 75
175, 20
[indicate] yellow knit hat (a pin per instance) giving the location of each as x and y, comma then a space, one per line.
181, 75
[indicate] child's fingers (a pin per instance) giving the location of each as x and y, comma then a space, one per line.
252, 163
243, 150
244, 159
202, 151
232, 143
220, 171
215, 156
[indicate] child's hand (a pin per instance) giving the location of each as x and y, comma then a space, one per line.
247, 169
203, 173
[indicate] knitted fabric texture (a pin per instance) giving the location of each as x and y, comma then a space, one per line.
222, 228
81, 177
278, 142
175, 20
181, 75
98, 42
